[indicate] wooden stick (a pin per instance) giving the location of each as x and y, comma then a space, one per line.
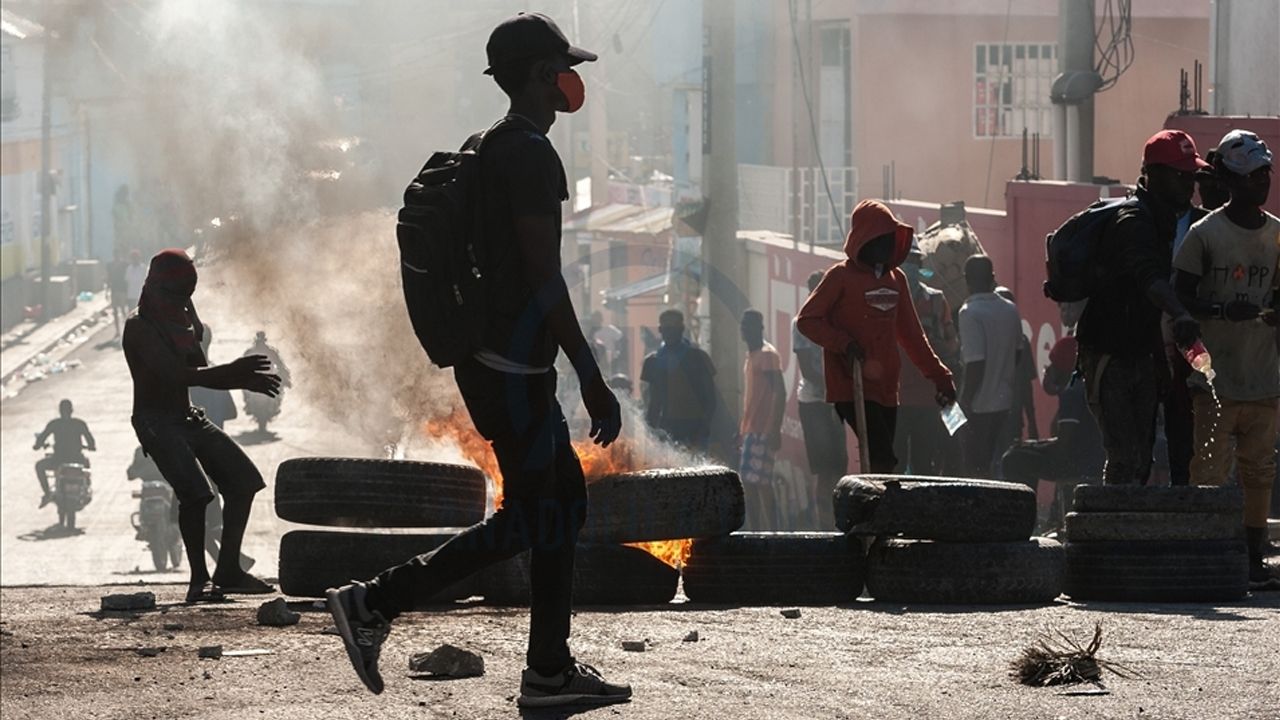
860, 418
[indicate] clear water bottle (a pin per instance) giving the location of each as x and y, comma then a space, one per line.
1198, 358
953, 417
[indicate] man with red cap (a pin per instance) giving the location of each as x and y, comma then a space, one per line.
162, 347
1121, 351
863, 310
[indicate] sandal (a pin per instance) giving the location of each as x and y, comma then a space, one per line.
206, 591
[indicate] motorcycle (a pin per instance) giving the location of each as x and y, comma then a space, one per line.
156, 520
262, 408
72, 491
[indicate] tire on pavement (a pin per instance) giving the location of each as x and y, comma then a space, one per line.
312, 561
663, 505
943, 509
603, 574
995, 573
1136, 498
1152, 526
373, 493
765, 568
1169, 571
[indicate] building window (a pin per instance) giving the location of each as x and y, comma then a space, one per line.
8, 85
1011, 88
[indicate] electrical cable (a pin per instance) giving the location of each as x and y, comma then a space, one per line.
1117, 55
813, 126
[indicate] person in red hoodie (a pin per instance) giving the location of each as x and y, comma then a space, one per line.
862, 310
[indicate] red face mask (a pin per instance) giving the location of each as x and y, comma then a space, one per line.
575, 93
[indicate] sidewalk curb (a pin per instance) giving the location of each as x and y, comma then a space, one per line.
89, 321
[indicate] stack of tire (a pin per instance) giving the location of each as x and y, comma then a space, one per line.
633, 507
949, 541
392, 510
1131, 543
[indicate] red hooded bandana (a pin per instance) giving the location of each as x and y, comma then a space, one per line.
166, 302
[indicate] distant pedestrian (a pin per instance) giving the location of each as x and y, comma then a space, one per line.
608, 337
764, 403
990, 334
862, 310
679, 386
921, 441
135, 275
118, 287
1227, 271
825, 437
1121, 351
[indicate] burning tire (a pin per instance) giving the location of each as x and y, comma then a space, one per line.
664, 505
313, 560
922, 571
602, 575
1139, 499
944, 509
1172, 571
369, 493
761, 568
1153, 526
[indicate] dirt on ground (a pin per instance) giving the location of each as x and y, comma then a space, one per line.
62, 658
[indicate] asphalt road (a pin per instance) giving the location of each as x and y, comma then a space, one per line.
33, 551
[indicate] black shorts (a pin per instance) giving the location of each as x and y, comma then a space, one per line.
190, 451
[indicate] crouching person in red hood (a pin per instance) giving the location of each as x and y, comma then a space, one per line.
862, 310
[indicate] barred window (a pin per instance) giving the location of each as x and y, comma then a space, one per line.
1011, 88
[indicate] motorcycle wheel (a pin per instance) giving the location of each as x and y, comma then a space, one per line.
175, 550
159, 556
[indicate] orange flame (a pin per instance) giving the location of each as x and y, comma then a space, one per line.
619, 457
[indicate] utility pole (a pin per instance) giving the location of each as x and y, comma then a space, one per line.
1073, 91
46, 169
721, 254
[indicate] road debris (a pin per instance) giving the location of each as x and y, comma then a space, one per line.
251, 652
791, 613
448, 661
129, 601
149, 651
634, 645
276, 613
210, 652
692, 636
173, 627
1062, 661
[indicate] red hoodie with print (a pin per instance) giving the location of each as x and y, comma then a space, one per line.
853, 302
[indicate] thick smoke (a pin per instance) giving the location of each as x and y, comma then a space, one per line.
239, 112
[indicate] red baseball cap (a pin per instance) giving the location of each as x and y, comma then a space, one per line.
1173, 148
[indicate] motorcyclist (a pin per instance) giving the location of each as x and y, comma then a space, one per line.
67, 432
263, 408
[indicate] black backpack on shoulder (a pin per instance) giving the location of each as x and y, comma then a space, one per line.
442, 260
1073, 254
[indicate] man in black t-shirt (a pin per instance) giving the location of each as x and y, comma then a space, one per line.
67, 432
680, 386
509, 388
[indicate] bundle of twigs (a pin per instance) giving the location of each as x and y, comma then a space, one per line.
1056, 659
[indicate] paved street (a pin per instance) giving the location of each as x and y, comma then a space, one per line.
31, 550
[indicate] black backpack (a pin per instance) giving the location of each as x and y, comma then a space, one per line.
442, 260
1073, 255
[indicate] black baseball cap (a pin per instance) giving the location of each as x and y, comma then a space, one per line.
527, 36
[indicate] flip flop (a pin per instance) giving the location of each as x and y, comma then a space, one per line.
246, 585
204, 592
